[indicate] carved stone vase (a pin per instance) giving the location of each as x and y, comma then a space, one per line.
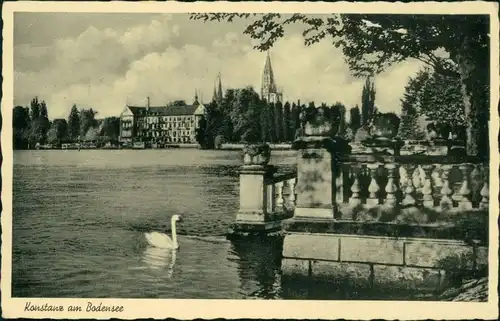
319, 122
256, 154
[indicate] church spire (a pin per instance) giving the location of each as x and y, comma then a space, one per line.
214, 97
196, 102
268, 88
219, 92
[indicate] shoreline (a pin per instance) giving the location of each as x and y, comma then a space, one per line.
225, 147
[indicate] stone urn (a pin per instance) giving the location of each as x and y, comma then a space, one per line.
439, 131
319, 122
256, 154
384, 126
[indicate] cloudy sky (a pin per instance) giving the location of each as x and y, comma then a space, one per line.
105, 61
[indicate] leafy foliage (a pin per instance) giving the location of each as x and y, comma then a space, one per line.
355, 119
74, 123
31, 126
367, 101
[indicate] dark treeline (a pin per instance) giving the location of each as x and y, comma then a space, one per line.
32, 126
241, 116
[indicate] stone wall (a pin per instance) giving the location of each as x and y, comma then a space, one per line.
381, 262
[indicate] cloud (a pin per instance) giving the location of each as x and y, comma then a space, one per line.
105, 69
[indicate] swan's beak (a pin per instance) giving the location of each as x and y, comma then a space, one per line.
180, 219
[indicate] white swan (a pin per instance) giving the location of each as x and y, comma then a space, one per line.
162, 240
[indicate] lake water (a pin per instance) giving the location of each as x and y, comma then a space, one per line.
79, 220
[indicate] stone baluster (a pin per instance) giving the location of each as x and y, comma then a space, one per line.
278, 190
476, 183
339, 185
391, 188
465, 192
485, 191
373, 188
446, 201
270, 198
427, 198
437, 180
415, 177
291, 197
407, 186
355, 198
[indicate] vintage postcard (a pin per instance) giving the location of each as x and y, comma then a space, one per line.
250, 160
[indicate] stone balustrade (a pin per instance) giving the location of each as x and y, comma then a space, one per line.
347, 187
281, 194
433, 183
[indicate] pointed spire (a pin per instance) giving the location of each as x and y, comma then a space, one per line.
268, 84
219, 93
214, 97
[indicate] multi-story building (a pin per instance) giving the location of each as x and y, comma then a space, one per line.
168, 124
269, 90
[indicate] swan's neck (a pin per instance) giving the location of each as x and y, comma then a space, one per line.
174, 233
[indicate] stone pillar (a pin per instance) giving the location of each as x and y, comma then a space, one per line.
254, 193
316, 166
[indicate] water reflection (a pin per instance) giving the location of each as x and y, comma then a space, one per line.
259, 261
158, 259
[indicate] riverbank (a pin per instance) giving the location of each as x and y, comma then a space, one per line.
167, 146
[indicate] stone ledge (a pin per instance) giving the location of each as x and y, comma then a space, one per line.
293, 267
431, 254
354, 274
411, 252
322, 247
400, 278
383, 229
372, 250
363, 276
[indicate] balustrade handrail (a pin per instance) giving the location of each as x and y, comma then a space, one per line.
410, 159
279, 177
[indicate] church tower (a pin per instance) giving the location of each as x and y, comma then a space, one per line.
218, 94
268, 89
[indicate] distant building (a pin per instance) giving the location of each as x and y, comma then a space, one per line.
168, 124
269, 90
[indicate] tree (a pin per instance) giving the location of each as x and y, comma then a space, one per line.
355, 119
52, 135
87, 120
278, 121
409, 128
201, 131
60, 130
338, 110
245, 114
20, 125
371, 43
224, 111
271, 111
35, 108
110, 128
74, 123
265, 125
295, 120
287, 122
176, 103
367, 101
